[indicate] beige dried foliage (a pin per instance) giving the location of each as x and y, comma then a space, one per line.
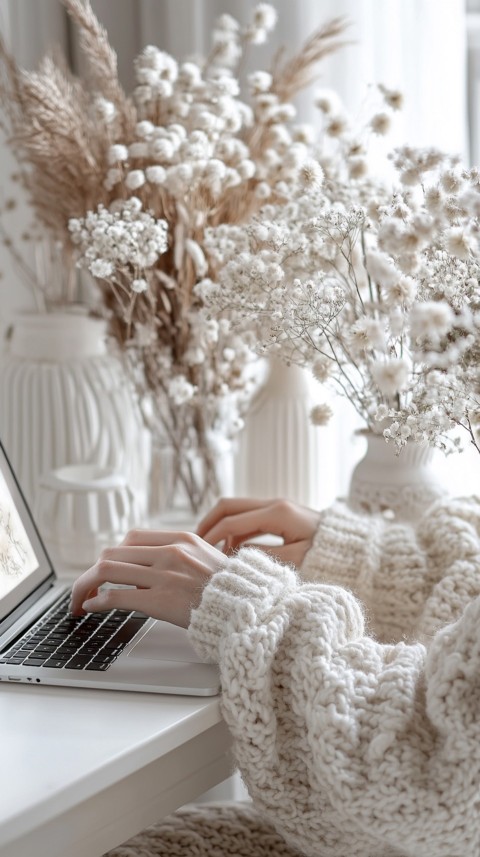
58, 143
97, 50
301, 70
51, 128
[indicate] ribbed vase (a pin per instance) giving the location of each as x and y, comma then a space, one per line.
278, 451
64, 400
82, 509
402, 485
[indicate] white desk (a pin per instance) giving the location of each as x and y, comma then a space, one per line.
82, 771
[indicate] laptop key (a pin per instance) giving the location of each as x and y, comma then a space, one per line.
78, 662
42, 656
104, 658
54, 663
98, 665
89, 650
27, 653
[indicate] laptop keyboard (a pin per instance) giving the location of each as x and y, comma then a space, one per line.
62, 641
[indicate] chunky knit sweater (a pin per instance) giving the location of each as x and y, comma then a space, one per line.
355, 739
352, 694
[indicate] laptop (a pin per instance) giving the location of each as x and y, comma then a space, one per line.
41, 643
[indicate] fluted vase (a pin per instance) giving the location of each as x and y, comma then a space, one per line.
278, 452
64, 400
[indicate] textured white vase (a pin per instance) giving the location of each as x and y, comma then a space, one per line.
64, 400
278, 451
401, 485
82, 509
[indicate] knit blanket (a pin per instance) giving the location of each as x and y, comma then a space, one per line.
208, 830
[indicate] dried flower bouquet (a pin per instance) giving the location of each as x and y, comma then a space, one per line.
127, 186
372, 283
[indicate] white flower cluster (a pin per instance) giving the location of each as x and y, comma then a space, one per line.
376, 287
125, 240
267, 267
191, 137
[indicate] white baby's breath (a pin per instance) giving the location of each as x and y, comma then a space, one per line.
180, 390
376, 288
101, 268
112, 245
139, 285
431, 320
380, 123
135, 179
117, 153
156, 174
321, 415
104, 110
390, 376
265, 16
393, 97
460, 242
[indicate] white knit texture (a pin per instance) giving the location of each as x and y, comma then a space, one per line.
350, 745
209, 830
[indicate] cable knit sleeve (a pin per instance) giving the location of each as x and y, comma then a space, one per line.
411, 579
382, 561
346, 744
347, 546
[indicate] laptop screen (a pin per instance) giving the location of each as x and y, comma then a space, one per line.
23, 561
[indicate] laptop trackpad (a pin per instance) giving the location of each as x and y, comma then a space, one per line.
165, 642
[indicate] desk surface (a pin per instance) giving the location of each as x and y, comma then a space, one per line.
84, 770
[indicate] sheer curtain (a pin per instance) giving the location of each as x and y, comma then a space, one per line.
418, 46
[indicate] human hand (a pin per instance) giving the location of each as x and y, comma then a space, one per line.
168, 571
235, 521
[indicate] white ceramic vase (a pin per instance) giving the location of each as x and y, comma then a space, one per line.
400, 485
82, 509
278, 451
64, 400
